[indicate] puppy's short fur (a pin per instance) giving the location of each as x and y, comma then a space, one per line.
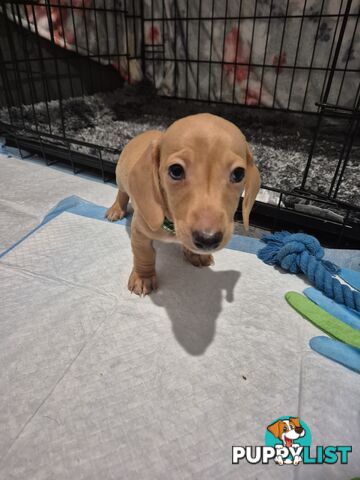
193, 174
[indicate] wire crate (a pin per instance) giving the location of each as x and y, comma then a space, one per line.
143, 63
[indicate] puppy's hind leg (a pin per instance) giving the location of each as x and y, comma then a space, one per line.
198, 260
117, 211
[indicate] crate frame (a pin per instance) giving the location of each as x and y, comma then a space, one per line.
58, 148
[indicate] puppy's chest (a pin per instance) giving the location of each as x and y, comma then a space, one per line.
165, 236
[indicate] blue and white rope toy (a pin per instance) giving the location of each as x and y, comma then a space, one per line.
301, 253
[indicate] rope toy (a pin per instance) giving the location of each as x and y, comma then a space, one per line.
301, 253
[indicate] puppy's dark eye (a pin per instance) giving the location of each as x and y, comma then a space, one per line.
237, 175
176, 171
285, 429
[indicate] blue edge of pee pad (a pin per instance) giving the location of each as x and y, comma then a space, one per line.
79, 206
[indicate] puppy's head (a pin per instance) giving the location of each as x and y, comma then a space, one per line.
287, 430
197, 171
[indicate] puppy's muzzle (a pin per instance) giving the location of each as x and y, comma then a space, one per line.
206, 241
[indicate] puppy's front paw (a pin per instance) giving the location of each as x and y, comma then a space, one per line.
198, 260
141, 285
115, 212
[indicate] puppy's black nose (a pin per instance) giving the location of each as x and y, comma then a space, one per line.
299, 430
206, 241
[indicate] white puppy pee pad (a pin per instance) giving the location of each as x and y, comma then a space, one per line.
29, 189
98, 383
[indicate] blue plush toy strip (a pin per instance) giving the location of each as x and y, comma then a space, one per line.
350, 317
337, 351
351, 277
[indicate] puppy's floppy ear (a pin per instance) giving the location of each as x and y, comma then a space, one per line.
145, 187
252, 186
275, 428
295, 421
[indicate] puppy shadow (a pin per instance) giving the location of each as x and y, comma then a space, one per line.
192, 297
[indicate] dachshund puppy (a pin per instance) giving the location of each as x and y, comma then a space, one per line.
184, 185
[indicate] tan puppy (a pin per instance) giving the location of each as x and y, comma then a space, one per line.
193, 175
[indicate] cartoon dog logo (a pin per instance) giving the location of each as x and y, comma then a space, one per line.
287, 431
